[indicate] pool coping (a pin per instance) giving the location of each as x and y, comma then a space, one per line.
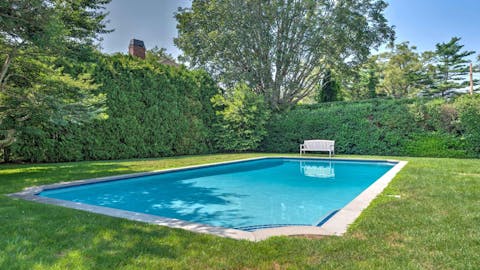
335, 225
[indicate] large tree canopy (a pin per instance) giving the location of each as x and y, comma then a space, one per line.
281, 48
401, 71
39, 41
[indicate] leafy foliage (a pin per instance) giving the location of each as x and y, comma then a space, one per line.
36, 39
280, 48
405, 73
329, 90
435, 144
401, 72
469, 116
451, 67
361, 82
382, 127
153, 110
242, 117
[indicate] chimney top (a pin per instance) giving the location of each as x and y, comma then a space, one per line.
137, 42
136, 48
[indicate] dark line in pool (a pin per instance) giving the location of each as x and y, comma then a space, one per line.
327, 217
266, 226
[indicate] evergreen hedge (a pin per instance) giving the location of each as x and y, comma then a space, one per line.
156, 110
153, 110
412, 127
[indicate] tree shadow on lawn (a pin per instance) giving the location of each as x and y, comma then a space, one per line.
44, 235
436, 210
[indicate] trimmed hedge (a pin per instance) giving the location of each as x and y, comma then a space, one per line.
413, 127
154, 110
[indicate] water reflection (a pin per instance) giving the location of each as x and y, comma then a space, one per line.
317, 170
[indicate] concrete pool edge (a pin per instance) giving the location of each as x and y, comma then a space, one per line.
336, 225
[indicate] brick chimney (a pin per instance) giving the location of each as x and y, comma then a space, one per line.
136, 48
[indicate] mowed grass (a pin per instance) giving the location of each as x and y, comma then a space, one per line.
434, 224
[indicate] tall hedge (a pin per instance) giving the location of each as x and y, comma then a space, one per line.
414, 127
153, 110
156, 110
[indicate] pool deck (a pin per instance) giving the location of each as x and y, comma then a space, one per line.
336, 225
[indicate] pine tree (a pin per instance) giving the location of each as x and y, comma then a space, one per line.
330, 89
372, 84
451, 67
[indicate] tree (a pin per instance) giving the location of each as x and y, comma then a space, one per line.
330, 88
39, 39
401, 71
476, 73
362, 81
280, 48
451, 67
161, 55
48, 26
371, 83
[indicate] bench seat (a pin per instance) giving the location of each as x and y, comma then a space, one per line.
318, 145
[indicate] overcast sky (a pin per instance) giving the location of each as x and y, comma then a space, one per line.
422, 22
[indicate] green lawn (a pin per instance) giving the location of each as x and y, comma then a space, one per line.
435, 224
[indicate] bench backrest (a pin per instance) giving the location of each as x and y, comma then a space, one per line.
319, 145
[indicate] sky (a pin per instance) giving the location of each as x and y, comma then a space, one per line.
422, 22
149, 20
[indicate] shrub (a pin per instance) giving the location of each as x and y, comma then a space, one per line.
241, 119
469, 114
435, 144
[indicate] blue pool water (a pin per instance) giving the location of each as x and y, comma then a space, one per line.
238, 195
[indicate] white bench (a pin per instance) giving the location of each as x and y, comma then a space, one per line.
318, 145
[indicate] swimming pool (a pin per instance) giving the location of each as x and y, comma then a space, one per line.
246, 195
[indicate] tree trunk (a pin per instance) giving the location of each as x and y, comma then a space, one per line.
6, 66
9, 138
4, 70
6, 154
